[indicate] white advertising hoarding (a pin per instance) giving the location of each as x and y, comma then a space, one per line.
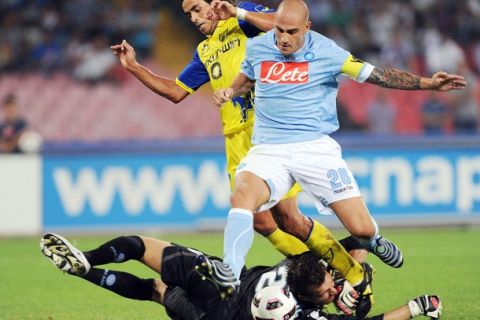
20, 194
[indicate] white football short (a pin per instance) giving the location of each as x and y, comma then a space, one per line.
316, 165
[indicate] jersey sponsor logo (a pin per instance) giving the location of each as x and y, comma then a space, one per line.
284, 72
344, 189
226, 47
285, 58
222, 36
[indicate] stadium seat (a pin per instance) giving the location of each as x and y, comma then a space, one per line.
62, 109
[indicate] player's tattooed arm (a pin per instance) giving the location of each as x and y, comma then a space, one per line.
397, 79
394, 79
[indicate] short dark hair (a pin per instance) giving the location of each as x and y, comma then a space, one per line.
305, 272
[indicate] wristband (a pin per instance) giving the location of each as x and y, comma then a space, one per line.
241, 14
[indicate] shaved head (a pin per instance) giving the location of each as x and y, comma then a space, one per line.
291, 24
293, 10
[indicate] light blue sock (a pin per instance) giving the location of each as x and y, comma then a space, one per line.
238, 238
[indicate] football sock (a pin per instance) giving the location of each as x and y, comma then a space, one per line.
238, 238
178, 306
287, 244
118, 250
351, 243
323, 244
122, 283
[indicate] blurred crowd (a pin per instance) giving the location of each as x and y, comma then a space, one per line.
72, 35
422, 36
418, 35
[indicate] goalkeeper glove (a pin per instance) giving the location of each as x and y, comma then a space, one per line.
346, 299
427, 305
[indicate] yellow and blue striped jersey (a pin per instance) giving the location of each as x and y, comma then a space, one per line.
218, 59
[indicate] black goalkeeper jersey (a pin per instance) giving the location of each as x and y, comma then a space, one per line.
177, 267
252, 280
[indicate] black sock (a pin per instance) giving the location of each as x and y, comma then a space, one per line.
179, 307
122, 283
120, 249
351, 243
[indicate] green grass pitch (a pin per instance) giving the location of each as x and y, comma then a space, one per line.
441, 261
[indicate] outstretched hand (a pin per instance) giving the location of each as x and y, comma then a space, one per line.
222, 95
221, 10
442, 81
427, 305
125, 52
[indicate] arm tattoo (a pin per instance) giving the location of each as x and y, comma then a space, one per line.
394, 79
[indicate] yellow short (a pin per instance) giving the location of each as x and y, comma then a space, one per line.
237, 145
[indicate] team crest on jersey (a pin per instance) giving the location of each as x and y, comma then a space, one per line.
309, 56
284, 72
216, 71
205, 48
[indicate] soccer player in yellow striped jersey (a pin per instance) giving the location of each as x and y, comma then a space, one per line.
217, 60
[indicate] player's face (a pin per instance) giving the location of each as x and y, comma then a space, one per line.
196, 11
325, 293
290, 32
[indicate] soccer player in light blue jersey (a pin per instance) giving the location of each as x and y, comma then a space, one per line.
294, 71
217, 60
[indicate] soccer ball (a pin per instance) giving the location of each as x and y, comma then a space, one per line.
273, 303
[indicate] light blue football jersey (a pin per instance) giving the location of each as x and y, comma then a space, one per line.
295, 95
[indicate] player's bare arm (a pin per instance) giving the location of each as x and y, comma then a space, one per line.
162, 86
240, 86
223, 10
397, 79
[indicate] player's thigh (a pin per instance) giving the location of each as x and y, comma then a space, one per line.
236, 148
250, 192
153, 254
268, 164
159, 291
265, 223
286, 210
290, 219
178, 269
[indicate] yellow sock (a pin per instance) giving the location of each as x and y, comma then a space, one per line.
286, 243
323, 244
